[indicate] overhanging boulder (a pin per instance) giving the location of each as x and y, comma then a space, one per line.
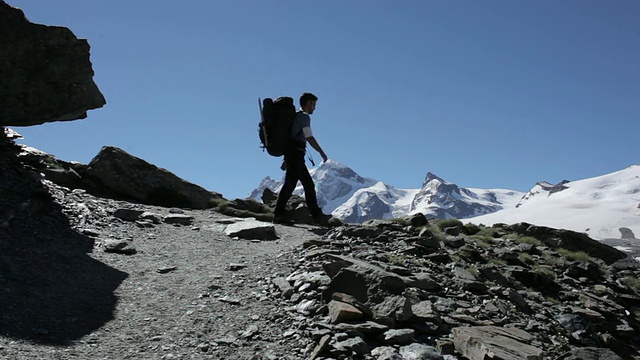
45, 70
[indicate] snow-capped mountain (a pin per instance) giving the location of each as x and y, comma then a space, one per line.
353, 198
603, 206
606, 206
444, 200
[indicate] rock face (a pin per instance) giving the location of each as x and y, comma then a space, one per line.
45, 70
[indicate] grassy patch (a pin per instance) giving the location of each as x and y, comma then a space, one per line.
473, 270
471, 229
545, 272
484, 241
396, 259
528, 240
525, 258
554, 260
632, 283
404, 260
575, 255
443, 224
218, 202
437, 233
496, 261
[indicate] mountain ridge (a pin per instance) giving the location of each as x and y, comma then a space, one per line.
590, 207
354, 198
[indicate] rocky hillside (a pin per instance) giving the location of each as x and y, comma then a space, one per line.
87, 276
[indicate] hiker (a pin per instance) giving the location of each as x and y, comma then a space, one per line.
295, 166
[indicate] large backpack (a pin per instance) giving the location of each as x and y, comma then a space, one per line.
275, 124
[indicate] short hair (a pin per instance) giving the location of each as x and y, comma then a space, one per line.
306, 97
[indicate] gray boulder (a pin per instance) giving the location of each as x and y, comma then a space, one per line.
45, 70
125, 176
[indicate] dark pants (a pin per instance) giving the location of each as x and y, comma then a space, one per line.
296, 170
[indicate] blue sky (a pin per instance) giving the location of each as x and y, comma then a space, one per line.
486, 94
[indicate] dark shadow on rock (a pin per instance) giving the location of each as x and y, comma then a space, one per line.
319, 231
51, 290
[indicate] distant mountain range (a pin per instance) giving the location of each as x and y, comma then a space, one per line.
353, 198
599, 206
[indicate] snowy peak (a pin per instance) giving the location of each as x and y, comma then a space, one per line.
600, 206
333, 169
430, 177
354, 198
443, 199
335, 184
266, 183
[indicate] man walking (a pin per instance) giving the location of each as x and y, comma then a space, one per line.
296, 169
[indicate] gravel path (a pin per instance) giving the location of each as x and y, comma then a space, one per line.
188, 292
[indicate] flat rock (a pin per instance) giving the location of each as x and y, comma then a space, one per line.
491, 342
252, 230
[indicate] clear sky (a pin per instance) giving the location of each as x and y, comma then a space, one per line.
486, 94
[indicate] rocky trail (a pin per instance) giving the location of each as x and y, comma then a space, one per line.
86, 277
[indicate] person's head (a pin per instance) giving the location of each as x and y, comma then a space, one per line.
308, 102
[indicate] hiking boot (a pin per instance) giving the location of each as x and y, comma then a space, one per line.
321, 219
282, 220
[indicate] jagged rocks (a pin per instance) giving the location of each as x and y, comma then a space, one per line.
45, 70
502, 296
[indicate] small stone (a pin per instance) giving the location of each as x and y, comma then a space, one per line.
178, 219
230, 300
399, 336
249, 331
236, 267
167, 269
342, 312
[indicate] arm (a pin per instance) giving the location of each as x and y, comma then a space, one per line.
314, 144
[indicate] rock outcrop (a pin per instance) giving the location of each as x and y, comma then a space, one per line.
388, 290
45, 70
115, 174
130, 177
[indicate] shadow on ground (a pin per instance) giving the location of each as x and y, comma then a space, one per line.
51, 290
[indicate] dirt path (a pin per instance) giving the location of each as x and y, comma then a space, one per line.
189, 291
